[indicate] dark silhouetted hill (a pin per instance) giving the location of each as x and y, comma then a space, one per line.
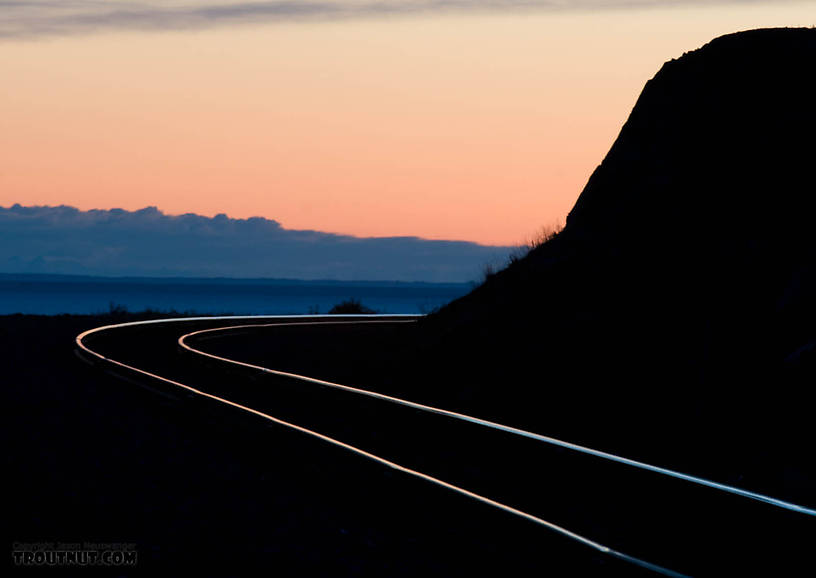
675, 312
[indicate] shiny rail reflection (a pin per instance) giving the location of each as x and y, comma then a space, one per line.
360, 452
486, 423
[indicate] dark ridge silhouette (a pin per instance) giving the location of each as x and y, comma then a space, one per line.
674, 315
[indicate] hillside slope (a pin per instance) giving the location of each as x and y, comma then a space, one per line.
675, 311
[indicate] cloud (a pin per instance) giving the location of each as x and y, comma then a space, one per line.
149, 243
37, 18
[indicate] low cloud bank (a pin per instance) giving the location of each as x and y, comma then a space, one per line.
65, 240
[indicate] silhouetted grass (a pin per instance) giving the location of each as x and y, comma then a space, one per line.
120, 312
541, 237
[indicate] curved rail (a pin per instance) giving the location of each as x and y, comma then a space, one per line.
490, 424
360, 452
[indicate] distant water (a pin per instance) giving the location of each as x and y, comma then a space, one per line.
54, 294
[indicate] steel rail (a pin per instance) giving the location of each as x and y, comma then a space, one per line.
353, 449
486, 423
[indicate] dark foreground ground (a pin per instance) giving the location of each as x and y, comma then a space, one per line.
94, 458
91, 458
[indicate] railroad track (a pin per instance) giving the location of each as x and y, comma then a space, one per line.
644, 516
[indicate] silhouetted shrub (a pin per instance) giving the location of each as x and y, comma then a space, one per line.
350, 306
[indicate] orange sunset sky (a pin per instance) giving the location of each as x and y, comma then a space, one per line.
480, 125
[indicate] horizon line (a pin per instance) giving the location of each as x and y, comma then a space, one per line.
283, 280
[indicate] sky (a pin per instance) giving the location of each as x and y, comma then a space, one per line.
477, 121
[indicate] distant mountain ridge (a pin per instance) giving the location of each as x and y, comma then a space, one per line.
149, 243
